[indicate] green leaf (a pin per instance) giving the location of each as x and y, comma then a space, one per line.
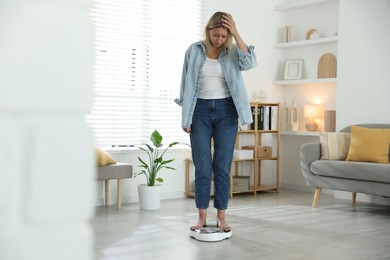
167, 161
159, 179
156, 139
149, 147
172, 144
144, 164
158, 160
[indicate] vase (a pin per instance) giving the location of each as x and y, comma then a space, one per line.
284, 121
294, 117
149, 196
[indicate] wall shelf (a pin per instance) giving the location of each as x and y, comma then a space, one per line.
284, 45
304, 81
299, 5
310, 51
299, 133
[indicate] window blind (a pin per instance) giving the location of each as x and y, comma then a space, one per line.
139, 54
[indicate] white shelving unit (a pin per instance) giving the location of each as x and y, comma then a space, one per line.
303, 16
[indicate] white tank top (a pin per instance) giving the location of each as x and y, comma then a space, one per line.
213, 85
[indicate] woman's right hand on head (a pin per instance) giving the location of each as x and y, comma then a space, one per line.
187, 130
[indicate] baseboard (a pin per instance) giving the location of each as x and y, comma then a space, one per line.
173, 195
134, 198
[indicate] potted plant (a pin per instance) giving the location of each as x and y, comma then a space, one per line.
149, 194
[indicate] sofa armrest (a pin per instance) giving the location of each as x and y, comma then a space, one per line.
310, 152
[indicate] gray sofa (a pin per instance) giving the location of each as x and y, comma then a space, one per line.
356, 177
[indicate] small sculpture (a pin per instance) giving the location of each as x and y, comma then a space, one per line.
262, 96
259, 97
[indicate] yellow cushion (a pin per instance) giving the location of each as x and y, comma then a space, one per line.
102, 157
334, 145
369, 145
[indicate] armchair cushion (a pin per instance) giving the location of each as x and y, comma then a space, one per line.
334, 145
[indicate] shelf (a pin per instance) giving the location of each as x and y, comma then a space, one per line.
247, 160
264, 188
243, 160
307, 3
234, 159
258, 188
254, 103
293, 44
299, 133
190, 194
304, 81
258, 131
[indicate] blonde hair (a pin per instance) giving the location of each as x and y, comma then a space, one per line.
215, 22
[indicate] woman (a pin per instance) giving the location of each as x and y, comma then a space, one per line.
213, 96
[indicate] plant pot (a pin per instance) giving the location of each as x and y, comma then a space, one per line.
149, 196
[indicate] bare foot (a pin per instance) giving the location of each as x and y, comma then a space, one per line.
200, 224
201, 220
221, 223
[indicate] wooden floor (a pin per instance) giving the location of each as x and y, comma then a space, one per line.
269, 226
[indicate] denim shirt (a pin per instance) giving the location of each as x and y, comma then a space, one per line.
232, 64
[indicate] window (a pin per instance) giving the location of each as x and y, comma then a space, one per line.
139, 54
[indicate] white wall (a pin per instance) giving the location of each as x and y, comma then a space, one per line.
363, 87
46, 162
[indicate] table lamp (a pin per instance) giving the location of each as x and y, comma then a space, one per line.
311, 112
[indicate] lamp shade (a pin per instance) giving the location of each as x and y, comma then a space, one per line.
311, 111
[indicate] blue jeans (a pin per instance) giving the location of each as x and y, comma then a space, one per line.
215, 119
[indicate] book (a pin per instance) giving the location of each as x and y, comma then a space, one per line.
270, 117
274, 118
287, 33
266, 118
261, 119
252, 126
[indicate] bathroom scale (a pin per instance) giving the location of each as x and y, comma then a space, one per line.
210, 234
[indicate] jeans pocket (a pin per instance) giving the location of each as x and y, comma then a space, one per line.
229, 101
200, 101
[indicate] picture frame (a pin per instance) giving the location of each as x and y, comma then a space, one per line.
293, 69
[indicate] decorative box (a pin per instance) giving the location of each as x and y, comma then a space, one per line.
241, 183
262, 151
